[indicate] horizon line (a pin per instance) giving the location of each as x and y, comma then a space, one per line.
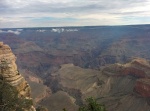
75, 26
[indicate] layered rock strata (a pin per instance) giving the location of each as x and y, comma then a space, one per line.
139, 69
10, 74
121, 87
143, 87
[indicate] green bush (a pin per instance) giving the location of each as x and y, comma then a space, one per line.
92, 105
9, 99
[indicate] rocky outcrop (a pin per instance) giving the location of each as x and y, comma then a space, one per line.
115, 86
39, 90
134, 72
142, 86
10, 74
138, 67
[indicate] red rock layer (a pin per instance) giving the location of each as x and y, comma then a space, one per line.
142, 87
134, 72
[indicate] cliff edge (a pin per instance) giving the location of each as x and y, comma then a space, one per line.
17, 86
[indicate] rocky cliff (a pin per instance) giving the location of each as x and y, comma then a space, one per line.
121, 87
10, 75
135, 91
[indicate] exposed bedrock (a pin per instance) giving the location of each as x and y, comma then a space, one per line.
10, 74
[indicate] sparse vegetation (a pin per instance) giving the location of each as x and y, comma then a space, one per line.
91, 105
9, 99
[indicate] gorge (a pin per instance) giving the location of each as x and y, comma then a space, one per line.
66, 65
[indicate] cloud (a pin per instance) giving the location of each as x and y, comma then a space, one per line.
25, 13
17, 32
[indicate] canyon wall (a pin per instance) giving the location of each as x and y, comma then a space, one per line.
9, 74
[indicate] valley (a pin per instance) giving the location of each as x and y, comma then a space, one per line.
74, 63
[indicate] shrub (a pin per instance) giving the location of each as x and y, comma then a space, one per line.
9, 99
92, 105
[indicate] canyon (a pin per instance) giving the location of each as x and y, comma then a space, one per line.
74, 63
118, 86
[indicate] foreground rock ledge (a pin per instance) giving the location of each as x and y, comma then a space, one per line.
11, 75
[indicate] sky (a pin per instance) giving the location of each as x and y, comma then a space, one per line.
54, 13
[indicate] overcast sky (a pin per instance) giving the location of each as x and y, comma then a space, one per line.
48, 13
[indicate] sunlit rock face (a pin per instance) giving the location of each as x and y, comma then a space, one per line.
10, 74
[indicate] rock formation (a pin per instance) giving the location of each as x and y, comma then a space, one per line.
10, 74
142, 86
121, 87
